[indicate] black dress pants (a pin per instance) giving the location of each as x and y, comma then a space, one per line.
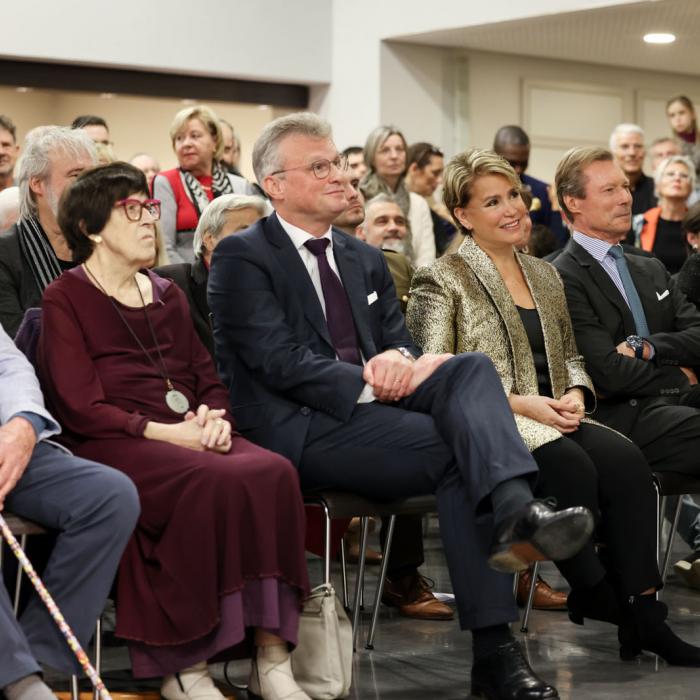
454, 436
598, 468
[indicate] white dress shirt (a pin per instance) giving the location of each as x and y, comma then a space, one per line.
299, 238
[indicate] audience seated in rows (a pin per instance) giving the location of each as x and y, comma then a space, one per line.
489, 298
9, 151
34, 251
385, 156
93, 510
185, 191
350, 399
133, 386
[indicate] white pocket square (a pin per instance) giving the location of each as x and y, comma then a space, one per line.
371, 298
661, 296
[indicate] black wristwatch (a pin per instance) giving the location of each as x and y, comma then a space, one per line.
637, 344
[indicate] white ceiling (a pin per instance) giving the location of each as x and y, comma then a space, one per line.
610, 35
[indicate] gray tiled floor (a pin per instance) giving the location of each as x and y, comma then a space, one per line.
429, 660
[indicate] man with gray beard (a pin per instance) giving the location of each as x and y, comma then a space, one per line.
386, 227
34, 252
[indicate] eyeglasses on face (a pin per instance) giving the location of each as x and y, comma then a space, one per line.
321, 168
133, 208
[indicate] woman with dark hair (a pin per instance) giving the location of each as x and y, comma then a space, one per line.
489, 298
385, 156
217, 558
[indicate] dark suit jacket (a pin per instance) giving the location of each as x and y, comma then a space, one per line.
602, 320
18, 288
272, 341
192, 279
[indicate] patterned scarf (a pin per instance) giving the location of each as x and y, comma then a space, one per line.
220, 185
37, 250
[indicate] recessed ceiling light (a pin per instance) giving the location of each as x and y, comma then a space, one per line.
659, 38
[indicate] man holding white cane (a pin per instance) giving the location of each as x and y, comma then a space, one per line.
92, 507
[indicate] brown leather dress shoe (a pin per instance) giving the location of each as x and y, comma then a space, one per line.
546, 598
413, 598
352, 550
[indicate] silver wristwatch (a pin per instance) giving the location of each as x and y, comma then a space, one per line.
406, 353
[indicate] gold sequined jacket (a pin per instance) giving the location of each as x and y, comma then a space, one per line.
461, 304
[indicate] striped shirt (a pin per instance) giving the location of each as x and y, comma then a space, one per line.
600, 250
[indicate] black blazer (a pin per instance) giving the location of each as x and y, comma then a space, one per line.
18, 288
192, 279
272, 342
602, 320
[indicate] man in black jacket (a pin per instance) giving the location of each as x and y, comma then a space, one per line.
34, 252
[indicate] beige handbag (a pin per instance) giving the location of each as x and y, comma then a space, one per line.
322, 661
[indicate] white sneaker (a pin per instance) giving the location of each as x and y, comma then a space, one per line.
271, 676
193, 683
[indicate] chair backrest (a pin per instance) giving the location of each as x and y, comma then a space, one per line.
27, 338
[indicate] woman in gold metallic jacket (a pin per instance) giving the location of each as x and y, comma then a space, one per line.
489, 298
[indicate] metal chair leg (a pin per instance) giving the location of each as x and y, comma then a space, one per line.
98, 654
516, 579
671, 535
360, 582
380, 583
74, 688
659, 515
344, 571
530, 596
327, 546
18, 581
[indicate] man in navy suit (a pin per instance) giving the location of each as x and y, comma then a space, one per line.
312, 342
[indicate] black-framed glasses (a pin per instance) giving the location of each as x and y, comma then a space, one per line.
133, 208
321, 168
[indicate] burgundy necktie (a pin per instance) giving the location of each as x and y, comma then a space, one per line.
338, 312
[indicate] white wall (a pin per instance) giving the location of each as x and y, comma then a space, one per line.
561, 103
274, 40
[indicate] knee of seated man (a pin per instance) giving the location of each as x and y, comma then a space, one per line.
118, 496
471, 362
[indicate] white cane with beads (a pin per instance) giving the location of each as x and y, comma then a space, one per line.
55, 613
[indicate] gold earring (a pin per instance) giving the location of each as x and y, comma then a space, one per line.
96, 238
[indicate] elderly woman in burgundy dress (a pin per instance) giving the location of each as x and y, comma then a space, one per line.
218, 553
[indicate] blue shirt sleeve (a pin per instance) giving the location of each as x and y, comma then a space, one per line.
38, 422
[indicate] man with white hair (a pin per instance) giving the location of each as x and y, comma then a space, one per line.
34, 252
224, 216
627, 147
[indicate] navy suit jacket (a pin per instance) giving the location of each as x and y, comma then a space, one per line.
272, 343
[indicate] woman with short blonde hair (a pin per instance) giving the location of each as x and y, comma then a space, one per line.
186, 191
